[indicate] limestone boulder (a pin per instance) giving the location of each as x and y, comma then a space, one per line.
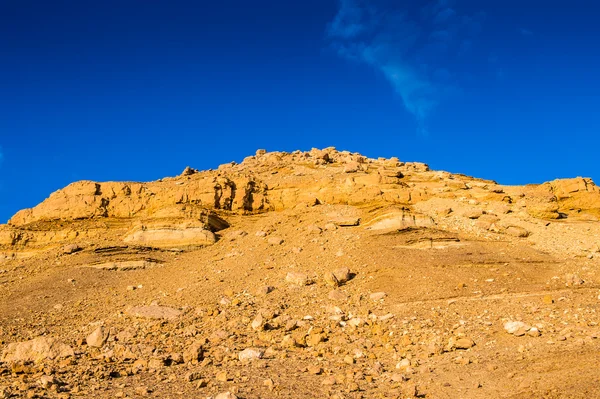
36, 350
167, 236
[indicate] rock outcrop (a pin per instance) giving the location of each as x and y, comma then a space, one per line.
188, 210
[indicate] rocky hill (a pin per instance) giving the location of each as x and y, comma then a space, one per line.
304, 274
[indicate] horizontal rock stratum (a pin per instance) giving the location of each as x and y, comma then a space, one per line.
189, 208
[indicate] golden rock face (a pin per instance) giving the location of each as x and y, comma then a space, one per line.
379, 193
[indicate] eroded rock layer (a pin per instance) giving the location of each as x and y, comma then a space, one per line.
386, 193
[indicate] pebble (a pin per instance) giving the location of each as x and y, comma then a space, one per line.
377, 296
517, 328
193, 353
275, 240
342, 275
297, 278
264, 290
222, 376
313, 369
249, 354
226, 395
193, 376
97, 338
337, 295
258, 323
330, 279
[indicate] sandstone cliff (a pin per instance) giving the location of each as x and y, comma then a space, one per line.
188, 209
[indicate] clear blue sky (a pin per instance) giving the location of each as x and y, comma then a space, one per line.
136, 90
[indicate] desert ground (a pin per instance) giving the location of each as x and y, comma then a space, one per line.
320, 274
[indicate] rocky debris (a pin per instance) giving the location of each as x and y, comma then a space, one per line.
36, 350
97, 338
438, 244
154, 312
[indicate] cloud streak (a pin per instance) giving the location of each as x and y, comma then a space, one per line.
409, 47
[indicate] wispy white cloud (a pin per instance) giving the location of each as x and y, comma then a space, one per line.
409, 47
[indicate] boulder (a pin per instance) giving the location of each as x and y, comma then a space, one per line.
36, 350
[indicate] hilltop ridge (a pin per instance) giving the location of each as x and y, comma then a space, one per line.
385, 192
306, 274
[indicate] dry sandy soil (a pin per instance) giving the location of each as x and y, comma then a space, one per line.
448, 292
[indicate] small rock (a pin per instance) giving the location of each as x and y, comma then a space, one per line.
377, 296
264, 290
464, 343
97, 338
573, 279
258, 323
142, 390
313, 229
269, 384
516, 231
329, 380
194, 352
188, 171
337, 295
342, 274
351, 167
71, 249
473, 213
275, 240
193, 376
222, 376
226, 395
156, 363
534, 332
297, 278
46, 381
314, 369
249, 354
331, 227
330, 279
517, 328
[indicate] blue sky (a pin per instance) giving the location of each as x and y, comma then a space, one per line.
137, 90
